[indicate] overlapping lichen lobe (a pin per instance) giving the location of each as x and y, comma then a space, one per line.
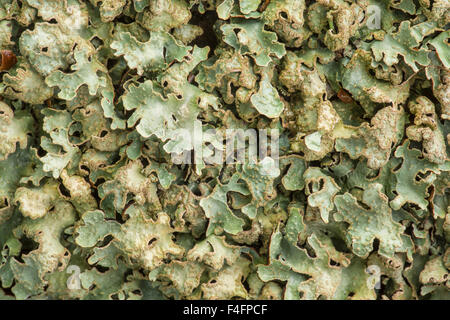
7, 60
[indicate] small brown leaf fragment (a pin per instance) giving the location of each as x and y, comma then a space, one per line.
344, 96
7, 60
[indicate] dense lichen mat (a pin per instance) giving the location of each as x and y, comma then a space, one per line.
99, 101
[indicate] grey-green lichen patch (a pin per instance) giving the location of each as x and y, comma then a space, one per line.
104, 193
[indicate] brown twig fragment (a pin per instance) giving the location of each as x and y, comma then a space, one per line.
264, 5
344, 96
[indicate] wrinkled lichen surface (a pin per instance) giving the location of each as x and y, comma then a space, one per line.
93, 95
